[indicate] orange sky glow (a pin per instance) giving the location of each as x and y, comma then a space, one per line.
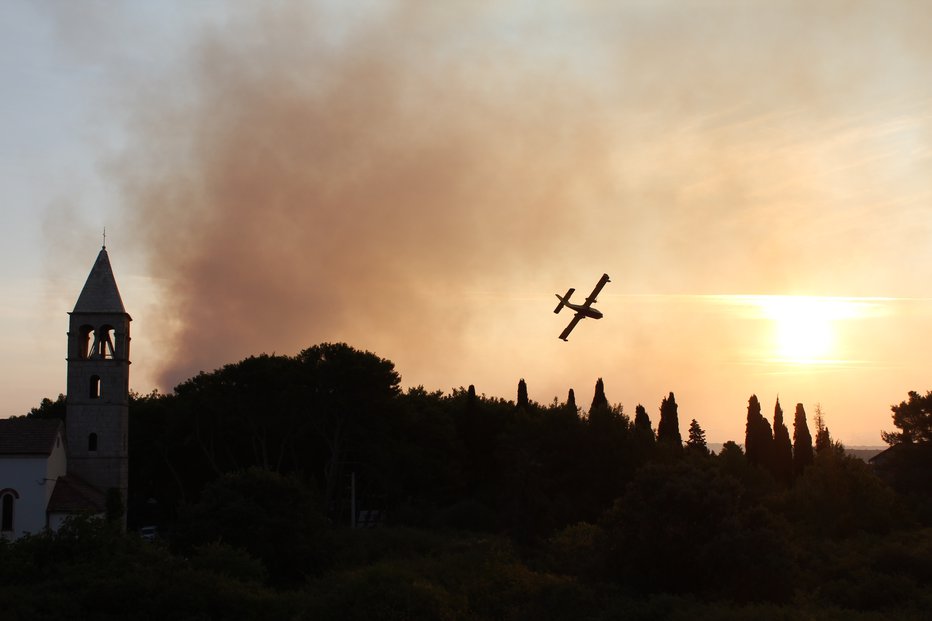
419, 179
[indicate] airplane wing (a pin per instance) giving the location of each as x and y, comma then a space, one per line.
570, 327
595, 292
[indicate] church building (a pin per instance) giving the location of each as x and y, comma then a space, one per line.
51, 469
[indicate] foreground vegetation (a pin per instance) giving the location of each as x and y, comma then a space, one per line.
489, 509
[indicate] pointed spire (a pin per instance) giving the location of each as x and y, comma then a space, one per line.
100, 293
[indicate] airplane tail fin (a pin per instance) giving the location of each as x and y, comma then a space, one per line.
563, 300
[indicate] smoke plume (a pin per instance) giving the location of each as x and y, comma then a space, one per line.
387, 178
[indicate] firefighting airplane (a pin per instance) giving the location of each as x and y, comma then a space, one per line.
582, 310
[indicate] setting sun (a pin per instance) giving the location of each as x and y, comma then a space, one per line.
804, 326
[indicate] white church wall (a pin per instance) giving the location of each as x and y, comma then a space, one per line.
56, 466
27, 475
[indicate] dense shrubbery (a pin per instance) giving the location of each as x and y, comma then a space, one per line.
491, 510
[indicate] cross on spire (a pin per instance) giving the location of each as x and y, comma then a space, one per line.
105, 239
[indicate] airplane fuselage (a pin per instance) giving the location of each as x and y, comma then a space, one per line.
585, 311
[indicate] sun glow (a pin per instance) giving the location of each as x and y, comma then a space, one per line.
805, 327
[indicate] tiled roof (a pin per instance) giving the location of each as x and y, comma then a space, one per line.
100, 293
29, 436
73, 495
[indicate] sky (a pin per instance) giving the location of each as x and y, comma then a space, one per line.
419, 179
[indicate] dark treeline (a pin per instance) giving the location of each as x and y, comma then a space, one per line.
486, 508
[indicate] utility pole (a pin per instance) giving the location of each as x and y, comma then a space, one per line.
352, 520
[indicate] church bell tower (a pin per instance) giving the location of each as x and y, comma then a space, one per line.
97, 421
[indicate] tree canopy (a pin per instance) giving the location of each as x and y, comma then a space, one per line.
913, 418
488, 508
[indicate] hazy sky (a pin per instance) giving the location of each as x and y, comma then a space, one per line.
419, 178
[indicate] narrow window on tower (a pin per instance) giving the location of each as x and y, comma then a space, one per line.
84, 341
92, 443
95, 387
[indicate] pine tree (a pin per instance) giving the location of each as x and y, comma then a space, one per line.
802, 442
913, 418
782, 448
669, 428
696, 441
823, 439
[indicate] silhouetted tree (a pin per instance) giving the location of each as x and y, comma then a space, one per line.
522, 394
782, 448
913, 418
750, 429
347, 394
601, 416
642, 420
668, 430
643, 440
478, 428
571, 402
731, 458
758, 441
49, 409
754, 442
422, 455
696, 441
802, 442
606, 454
823, 439
598, 399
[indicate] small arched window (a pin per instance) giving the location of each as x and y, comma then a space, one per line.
6, 511
92, 443
94, 392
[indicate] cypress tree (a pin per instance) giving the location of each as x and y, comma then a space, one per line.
599, 401
758, 437
802, 442
643, 436
752, 437
765, 442
782, 449
571, 402
642, 421
522, 394
669, 428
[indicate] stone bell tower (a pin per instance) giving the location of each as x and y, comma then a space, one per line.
97, 420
